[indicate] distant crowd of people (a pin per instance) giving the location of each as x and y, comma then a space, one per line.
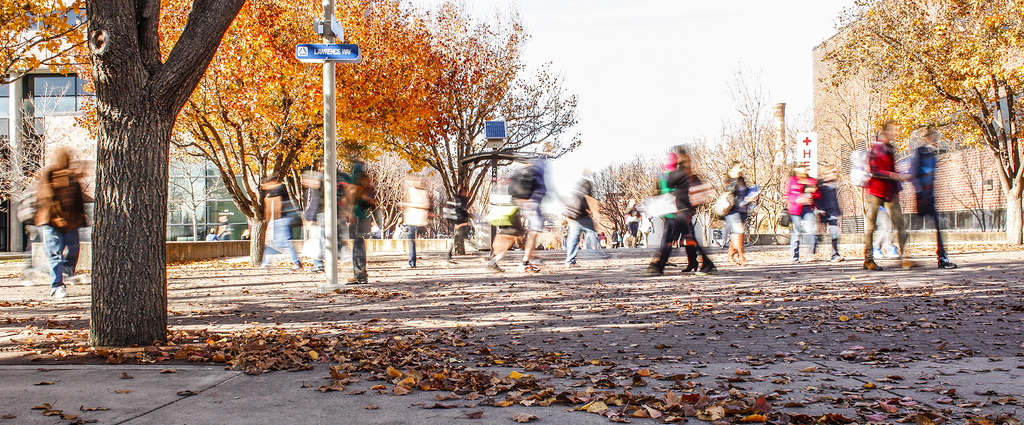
58, 213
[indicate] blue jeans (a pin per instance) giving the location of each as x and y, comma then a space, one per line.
282, 241
804, 226
412, 244
833, 234
55, 241
572, 239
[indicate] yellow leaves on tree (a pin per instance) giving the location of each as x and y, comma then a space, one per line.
38, 33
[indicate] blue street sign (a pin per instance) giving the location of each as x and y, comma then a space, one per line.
339, 53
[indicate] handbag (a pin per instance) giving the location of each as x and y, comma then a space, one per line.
723, 204
661, 205
313, 247
699, 194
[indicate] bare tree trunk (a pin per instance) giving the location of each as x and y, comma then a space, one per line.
129, 249
257, 241
1014, 214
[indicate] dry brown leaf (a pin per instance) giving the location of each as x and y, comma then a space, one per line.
372, 407
92, 409
336, 385
504, 403
400, 390
44, 383
122, 391
44, 406
168, 371
475, 415
52, 412
394, 373
125, 375
523, 417
8, 416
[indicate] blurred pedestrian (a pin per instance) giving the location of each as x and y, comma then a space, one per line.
417, 211
582, 211
60, 212
281, 213
315, 219
632, 224
801, 192
646, 225
212, 236
737, 214
360, 197
883, 190
680, 182
456, 212
923, 164
224, 229
528, 189
828, 205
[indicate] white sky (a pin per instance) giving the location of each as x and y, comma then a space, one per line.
652, 73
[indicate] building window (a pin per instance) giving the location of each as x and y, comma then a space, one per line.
5, 102
55, 94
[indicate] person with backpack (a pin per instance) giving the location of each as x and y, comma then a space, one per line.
923, 164
680, 181
60, 212
527, 189
582, 211
359, 201
280, 212
883, 189
828, 205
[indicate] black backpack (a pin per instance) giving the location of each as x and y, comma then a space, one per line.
522, 183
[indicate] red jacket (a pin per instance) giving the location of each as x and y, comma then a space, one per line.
882, 162
794, 189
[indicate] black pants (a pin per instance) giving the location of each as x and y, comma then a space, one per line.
674, 228
926, 207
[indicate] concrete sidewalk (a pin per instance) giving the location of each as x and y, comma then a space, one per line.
223, 396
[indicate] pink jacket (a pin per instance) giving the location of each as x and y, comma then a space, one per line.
794, 189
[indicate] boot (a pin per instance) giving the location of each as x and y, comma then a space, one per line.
738, 241
691, 259
732, 250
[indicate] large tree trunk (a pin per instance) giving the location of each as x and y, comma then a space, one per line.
138, 96
129, 290
257, 241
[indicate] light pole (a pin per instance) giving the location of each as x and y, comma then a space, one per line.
330, 157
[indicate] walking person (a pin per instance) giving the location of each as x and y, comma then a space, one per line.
801, 194
883, 190
582, 211
60, 212
923, 164
457, 212
225, 228
279, 210
315, 218
828, 205
417, 211
528, 190
680, 181
737, 215
359, 200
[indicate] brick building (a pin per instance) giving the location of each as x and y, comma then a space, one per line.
968, 194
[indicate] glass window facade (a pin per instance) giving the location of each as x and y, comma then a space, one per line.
196, 191
51, 94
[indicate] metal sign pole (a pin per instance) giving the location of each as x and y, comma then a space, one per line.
330, 161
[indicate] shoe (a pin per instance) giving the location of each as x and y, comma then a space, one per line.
907, 264
296, 269
794, 260
317, 270
530, 268
891, 252
494, 268
877, 253
354, 281
408, 266
946, 264
838, 259
59, 292
704, 271
870, 265
653, 270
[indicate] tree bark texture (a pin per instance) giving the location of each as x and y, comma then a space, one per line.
257, 241
138, 96
1014, 213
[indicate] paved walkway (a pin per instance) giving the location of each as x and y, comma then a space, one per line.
815, 338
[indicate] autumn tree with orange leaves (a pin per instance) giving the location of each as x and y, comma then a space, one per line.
468, 72
257, 112
39, 33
